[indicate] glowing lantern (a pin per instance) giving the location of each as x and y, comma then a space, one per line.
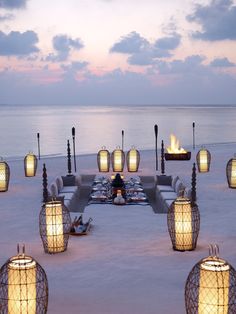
30, 163
132, 160
4, 176
211, 286
203, 160
118, 160
231, 173
103, 160
183, 224
23, 286
54, 225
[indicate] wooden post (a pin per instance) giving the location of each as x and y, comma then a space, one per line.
73, 138
193, 135
194, 182
68, 157
162, 158
122, 137
156, 134
45, 184
38, 137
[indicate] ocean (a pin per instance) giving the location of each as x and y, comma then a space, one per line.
102, 126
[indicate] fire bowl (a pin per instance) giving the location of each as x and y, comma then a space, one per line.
181, 156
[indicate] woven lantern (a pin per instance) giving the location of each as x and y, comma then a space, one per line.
103, 160
23, 286
118, 160
183, 221
54, 226
203, 160
211, 286
30, 164
132, 160
4, 176
231, 173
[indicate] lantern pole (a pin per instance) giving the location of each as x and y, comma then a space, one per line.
38, 137
73, 137
68, 157
122, 136
45, 184
193, 135
156, 135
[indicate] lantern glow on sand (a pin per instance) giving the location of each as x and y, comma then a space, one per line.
23, 286
183, 221
54, 224
211, 286
103, 160
4, 176
231, 173
30, 164
132, 160
203, 160
118, 160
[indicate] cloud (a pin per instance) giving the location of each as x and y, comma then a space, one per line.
218, 20
5, 17
142, 52
18, 44
221, 63
63, 44
13, 4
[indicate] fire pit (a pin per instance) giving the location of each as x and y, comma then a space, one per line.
174, 152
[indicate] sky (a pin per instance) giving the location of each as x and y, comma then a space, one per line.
117, 52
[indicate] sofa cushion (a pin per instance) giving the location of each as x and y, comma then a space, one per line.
53, 190
168, 195
67, 196
188, 193
164, 188
59, 183
174, 180
69, 189
164, 180
68, 180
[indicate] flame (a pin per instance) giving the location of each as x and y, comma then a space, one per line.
174, 147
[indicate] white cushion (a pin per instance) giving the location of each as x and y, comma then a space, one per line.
168, 195
69, 189
54, 190
165, 188
174, 180
59, 183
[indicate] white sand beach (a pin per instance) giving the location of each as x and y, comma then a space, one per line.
126, 264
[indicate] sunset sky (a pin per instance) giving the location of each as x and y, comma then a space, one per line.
117, 52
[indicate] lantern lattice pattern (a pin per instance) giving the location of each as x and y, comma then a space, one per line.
118, 160
30, 165
4, 176
211, 287
103, 160
54, 226
23, 286
231, 173
183, 221
203, 160
133, 160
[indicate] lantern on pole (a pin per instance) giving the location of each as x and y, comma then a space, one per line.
30, 165
231, 172
103, 160
118, 160
23, 286
183, 221
54, 226
203, 160
4, 176
211, 286
133, 160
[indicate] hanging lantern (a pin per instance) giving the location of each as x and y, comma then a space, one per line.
118, 160
103, 160
132, 160
23, 286
4, 176
183, 221
54, 226
203, 160
231, 173
211, 286
30, 164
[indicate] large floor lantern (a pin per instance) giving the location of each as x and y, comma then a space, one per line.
203, 160
23, 286
118, 160
211, 286
30, 164
103, 160
231, 173
54, 226
183, 221
4, 176
132, 160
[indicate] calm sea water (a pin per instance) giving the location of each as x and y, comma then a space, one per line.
102, 126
